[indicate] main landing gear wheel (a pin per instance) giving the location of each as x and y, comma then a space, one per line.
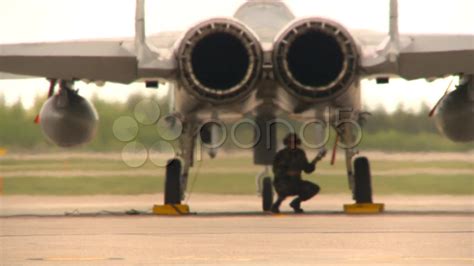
173, 182
267, 194
363, 183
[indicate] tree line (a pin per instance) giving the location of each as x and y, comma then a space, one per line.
401, 130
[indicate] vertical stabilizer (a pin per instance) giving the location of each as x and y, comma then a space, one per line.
394, 31
150, 64
140, 23
140, 35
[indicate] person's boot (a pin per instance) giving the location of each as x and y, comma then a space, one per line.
276, 206
296, 205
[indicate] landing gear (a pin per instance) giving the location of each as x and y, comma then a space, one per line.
265, 188
358, 172
173, 192
176, 178
267, 194
264, 152
363, 190
361, 185
173, 182
363, 182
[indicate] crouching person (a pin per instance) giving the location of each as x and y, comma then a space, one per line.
288, 166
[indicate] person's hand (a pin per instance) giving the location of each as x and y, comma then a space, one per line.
322, 153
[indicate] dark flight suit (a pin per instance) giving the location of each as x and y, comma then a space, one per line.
287, 167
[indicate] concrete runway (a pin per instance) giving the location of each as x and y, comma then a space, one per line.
414, 236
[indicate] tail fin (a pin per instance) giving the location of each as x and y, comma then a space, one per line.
140, 34
140, 22
394, 31
150, 64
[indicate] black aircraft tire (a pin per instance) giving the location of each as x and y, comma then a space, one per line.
173, 182
267, 194
363, 183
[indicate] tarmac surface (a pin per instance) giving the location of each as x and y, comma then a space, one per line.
230, 230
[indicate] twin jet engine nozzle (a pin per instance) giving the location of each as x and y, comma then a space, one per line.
221, 60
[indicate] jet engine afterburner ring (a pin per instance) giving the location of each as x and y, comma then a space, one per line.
316, 59
220, 60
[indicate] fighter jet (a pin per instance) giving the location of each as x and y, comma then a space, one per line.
261, 63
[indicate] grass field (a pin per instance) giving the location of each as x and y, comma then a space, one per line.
108, 175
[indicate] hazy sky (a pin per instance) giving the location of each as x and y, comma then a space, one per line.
55, 20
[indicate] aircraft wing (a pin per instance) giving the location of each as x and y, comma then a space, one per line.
101, 60
106, 61
114, 61
122, 61
422, 56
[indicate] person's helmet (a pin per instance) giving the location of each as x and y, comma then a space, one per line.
290, 137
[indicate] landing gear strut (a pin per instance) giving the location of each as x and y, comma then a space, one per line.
176, 177
264, 152
360, 179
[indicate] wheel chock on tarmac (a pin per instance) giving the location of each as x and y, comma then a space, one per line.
364, 208
171, 209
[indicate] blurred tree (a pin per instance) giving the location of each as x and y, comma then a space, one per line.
402, 130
